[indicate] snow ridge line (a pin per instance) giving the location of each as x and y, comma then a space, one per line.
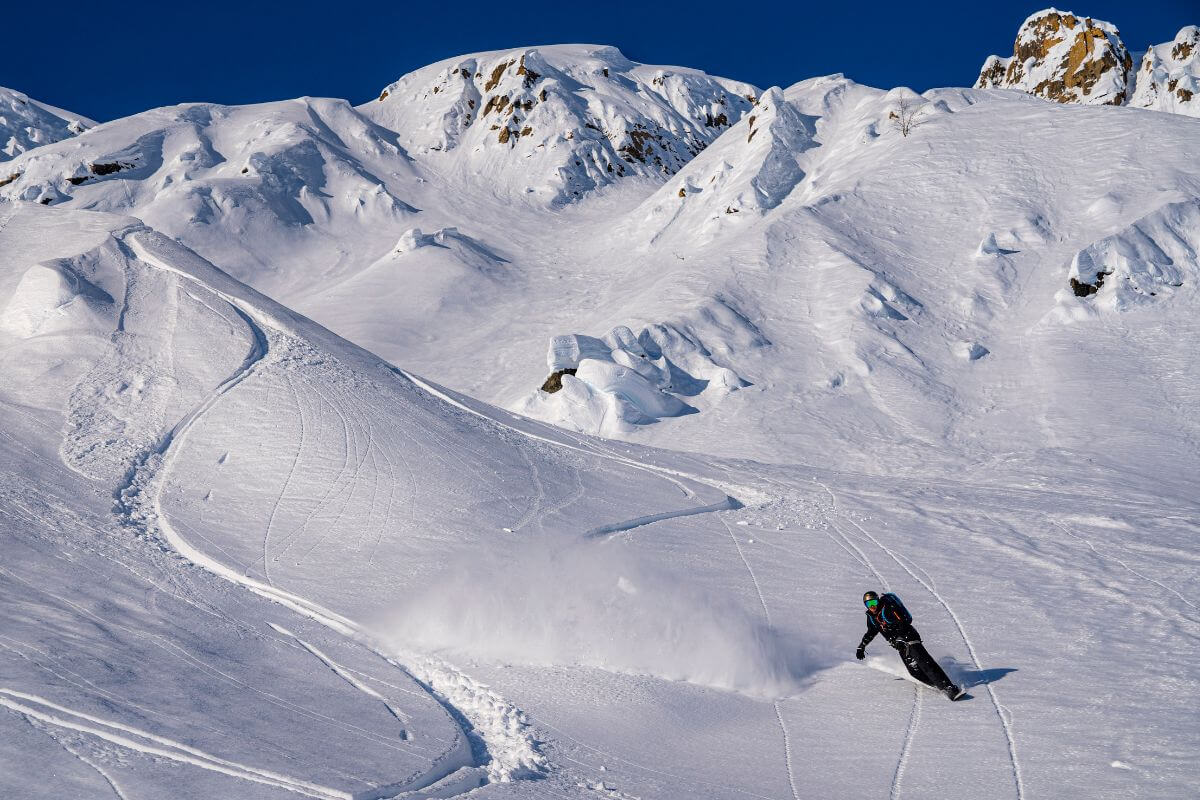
40, 709
506, 742
787, 742
1004, 721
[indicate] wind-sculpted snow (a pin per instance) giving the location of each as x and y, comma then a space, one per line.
605, 386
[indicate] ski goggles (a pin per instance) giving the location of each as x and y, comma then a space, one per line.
870, 603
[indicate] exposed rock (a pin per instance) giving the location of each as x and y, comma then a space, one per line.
1084, 289
554, 382
1065, 58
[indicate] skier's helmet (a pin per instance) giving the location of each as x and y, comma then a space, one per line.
871, 600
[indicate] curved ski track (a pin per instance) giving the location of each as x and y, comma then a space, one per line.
451, 689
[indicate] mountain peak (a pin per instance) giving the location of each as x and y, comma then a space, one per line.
557, 121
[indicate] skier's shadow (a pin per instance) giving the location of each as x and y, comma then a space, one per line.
969, 677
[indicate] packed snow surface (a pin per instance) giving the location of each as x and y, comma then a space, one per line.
252, 553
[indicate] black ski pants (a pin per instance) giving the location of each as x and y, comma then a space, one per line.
921, 665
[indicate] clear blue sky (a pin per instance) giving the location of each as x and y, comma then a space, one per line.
106, 60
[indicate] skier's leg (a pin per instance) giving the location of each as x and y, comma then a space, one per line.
911, 663
934, 675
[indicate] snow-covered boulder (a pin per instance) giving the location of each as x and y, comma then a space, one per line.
1152, 259
25, 124
1169, 76
556, 122
1063, 57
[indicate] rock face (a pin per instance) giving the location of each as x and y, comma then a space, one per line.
26, 123
556, 122
1066, 58
1169, 76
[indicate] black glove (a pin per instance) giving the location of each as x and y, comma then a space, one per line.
860, 653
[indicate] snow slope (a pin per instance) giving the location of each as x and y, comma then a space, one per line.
25, 123
642, 634
253, 556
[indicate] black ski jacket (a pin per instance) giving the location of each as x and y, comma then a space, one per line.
891, 623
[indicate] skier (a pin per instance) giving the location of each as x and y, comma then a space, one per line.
887, 615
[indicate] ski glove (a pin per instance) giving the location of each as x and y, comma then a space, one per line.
860, 653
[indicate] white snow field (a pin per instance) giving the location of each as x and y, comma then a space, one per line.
252, 553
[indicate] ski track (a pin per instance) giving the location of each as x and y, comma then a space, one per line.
508, 747
1005, 722
787, 743
342, 673
914, 721
152, 745
914, 717
287, 481
1104, 557
728, 504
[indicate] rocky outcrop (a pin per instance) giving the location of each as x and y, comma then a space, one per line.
1066, 58
1169, 76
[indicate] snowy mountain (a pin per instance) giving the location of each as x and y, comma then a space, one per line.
25, 123
1169, 76
557, 122
842, 338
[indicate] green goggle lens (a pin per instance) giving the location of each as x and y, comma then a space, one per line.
871, 603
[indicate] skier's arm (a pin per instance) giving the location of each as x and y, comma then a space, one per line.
866, 639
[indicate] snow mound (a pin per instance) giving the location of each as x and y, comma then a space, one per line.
52, 297
1147, 262
609, 385
556, 122
468, 250
1062, 57
25, 124
1169, 77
